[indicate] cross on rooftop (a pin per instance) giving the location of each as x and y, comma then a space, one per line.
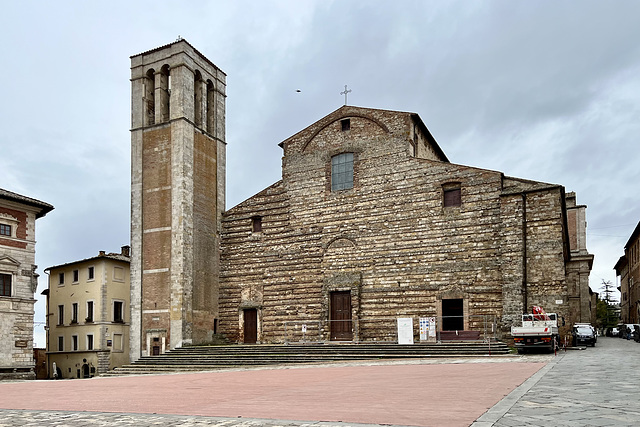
346, 91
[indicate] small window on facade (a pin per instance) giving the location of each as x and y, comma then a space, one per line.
118, 274
452, 197
5, 285
74, 312
342, 172
118, 312
89, 342
346, 124
60, 343
61, 315
61, 278
90, 273
256, 224
76, 276
89, 317
117, 342
5, 230
74, 342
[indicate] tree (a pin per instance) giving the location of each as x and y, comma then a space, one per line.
606, 309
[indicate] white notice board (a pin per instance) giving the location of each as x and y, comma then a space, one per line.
405, 330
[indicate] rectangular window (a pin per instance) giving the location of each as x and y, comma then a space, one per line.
118, 274
256, 224
452, 197
118, 311
342, 172
61, 279
5, 230
74, 312
61, 315
89, 342
74, 342
5, 285
89, 317
60, 343
346, 124
117, 342
76, 276
90, 272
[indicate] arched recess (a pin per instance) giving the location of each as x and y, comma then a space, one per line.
339, 120
341, 279
211, 108
164, 92
199, 99
149, 100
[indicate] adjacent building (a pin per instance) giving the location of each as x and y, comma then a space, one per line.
88, 315
628, 270
18, 282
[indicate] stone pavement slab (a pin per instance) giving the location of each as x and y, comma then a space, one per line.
591, 387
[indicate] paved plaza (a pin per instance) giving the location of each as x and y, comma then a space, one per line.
576, 388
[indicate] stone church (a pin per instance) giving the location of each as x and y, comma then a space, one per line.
370, 222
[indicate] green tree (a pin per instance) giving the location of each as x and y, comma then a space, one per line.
606, 310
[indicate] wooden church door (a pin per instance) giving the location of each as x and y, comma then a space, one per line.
340, 317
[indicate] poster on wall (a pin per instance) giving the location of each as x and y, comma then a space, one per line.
424, 329
432, 327
405, 330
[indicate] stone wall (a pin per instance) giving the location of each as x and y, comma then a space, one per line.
389, 240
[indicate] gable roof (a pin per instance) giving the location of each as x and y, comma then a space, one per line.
45, 208
372, 114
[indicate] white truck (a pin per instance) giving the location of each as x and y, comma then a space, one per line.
538, 331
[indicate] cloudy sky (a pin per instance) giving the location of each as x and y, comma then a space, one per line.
543, 90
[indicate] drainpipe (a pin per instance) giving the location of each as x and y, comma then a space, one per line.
525, 301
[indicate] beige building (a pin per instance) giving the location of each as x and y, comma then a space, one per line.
18, 282
88, 315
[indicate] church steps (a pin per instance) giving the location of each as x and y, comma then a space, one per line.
199, 358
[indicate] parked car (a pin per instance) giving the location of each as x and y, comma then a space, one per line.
614, 332
584, 335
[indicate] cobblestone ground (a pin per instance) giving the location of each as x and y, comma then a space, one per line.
97, 419
593, 387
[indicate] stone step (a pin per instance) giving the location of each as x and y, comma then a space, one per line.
199, 358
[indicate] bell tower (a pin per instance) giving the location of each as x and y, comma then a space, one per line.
177, 197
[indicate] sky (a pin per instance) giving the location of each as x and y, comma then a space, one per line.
541, 90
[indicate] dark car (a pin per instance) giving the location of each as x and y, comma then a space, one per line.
584, 335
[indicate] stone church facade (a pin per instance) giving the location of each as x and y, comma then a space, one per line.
406, 234
370, 222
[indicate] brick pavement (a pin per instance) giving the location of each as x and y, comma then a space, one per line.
425, 392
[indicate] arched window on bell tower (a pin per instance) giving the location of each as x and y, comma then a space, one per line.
164, 91
199, 100
211, 108
149, 98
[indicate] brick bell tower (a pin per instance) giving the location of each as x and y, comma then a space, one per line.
177, 197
